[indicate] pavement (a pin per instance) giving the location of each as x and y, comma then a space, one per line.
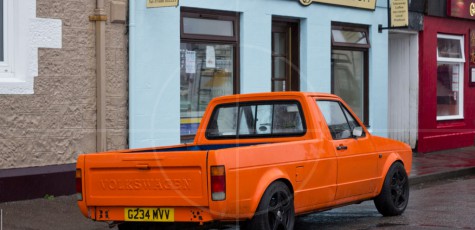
62, 212
442, 165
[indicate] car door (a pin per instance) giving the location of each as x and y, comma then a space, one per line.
356, 157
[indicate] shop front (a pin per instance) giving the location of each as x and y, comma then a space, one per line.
184, 54
447, 71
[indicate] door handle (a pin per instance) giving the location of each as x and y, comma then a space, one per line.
143, 166
341, 147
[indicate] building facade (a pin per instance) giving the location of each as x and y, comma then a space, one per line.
446, 105
48, 91
430, 76
181, 57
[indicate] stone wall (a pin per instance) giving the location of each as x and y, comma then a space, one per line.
117, 83
58, 122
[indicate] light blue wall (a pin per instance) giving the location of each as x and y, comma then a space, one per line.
155, 61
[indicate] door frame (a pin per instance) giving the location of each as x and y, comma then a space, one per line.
291, 27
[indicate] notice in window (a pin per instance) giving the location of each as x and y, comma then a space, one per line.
190, 60
210, 57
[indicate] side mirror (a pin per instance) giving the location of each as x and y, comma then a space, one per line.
358, 131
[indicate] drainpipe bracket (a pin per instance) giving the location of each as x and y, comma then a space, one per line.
98, 18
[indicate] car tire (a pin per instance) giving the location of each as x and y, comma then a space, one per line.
394, 196
275, 210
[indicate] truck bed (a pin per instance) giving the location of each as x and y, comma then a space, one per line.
149, 176
142, 179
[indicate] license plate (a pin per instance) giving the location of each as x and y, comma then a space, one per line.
150, 214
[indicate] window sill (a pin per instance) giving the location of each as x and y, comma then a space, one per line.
449, 118
450, 124
12, 85
8, 77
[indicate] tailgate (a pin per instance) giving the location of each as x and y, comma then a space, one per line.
146, 179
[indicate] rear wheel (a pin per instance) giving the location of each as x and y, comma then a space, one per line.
394, 196
275, 210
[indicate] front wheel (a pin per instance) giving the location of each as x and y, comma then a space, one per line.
276, 209
394, 196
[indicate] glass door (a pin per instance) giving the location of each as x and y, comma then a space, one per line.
285, 55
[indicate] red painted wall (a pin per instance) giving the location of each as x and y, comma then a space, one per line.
439, 135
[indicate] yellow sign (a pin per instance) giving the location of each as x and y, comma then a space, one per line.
161, 3
399, 13
363, 4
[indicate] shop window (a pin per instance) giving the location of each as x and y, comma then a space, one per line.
207, 27
285, 55
450, 63
342, 36
209, 63
349, 60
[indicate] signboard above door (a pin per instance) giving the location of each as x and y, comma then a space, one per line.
363, 4
399, 13
461, 8
161, 3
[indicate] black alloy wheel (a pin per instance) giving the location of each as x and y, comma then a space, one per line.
399, 189
275, 210
394, 196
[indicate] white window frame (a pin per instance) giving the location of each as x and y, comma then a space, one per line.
25, 33
8, 41
461, 64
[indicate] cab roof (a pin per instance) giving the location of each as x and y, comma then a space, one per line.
274, 95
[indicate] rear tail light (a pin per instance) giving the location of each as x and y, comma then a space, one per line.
79, 184
218, 183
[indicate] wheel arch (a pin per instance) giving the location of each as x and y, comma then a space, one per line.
393, 198
270, 177
390, 160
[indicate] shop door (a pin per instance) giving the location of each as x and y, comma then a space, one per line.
285, 55
403, 87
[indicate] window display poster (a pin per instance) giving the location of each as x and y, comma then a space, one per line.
190, 60
210, 57
182, 58
189, 129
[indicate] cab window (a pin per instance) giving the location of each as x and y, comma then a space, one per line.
339, 120
264, 119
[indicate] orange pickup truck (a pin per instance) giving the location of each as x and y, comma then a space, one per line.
257, 158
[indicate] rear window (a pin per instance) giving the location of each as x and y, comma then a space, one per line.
263, 119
